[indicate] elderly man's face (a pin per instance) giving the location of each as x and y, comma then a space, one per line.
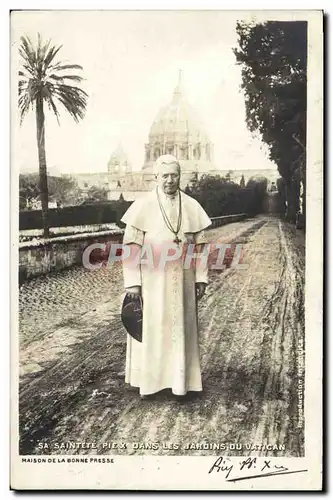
168, 178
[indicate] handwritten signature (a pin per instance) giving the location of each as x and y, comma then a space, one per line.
257, 466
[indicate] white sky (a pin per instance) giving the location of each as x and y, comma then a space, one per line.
131, 62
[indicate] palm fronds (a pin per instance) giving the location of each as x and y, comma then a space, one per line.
41, 76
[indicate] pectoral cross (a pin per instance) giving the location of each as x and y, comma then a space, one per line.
177, 240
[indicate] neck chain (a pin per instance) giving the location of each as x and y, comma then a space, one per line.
167, 220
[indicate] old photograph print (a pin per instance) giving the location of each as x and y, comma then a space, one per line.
142, 128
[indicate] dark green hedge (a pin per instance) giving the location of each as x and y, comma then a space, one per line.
80, 215
219, 197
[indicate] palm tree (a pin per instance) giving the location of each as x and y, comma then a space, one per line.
44, 81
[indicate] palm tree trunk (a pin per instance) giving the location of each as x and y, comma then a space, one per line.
44, 195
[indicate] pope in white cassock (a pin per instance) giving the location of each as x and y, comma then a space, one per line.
162, 223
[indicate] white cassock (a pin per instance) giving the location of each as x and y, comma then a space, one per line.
168, 356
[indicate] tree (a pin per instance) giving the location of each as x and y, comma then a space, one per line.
97, 193
258, 185
29, 190
44, 81
228, 176
273, 57
282, 200
187, 189
63, 190
219, 196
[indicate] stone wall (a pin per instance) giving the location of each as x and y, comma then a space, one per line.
59, 253
226, 219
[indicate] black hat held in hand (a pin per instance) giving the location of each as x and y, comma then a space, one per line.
131, 316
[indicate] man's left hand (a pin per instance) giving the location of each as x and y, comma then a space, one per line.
200, 289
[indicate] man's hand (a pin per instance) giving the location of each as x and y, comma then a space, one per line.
200, 289
133, 292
